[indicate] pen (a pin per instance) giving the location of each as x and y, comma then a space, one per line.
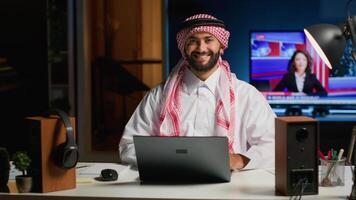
329, 155
321, 155
334, 154
340, 154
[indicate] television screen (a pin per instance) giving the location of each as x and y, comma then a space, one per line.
270, 52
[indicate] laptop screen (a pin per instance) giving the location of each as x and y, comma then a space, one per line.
187, 159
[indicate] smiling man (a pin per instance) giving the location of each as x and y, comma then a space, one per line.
202, 52
201, 97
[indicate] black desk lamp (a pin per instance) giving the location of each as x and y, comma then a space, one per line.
330, 40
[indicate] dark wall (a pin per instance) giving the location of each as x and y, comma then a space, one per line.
23, 43
242, 16
335, 135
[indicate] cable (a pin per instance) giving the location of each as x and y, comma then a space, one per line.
294, 194
303, 183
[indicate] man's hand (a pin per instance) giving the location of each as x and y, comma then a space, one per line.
238, 161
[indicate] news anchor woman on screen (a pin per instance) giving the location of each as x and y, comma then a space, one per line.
299, 77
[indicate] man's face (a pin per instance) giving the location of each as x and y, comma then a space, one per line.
202, 51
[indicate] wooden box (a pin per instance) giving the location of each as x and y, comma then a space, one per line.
45, 135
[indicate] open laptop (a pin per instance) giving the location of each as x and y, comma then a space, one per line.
182, 159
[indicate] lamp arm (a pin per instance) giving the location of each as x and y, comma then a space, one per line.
351, 156
353, 189
351, 20
348, 8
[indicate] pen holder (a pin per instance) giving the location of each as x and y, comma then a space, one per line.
332, 172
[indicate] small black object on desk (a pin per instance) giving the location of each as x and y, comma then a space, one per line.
108, 175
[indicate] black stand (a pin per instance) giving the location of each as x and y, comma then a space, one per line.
352, 155
353, 191
320, 111
293, 111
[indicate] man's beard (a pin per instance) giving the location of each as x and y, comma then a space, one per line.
214, 57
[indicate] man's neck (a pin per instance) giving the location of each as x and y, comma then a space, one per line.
204, 75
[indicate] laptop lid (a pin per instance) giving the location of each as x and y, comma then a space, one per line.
182, 159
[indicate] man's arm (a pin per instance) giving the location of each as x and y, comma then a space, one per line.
238, 161
144, 121
260, 132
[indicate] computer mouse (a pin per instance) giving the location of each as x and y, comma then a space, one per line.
108, 175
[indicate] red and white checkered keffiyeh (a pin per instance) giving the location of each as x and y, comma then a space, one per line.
225, 108
220, 33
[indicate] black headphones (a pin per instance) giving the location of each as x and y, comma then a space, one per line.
202, 22
66, 154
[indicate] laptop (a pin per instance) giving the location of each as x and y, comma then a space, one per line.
182, 159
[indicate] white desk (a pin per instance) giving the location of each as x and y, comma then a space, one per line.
252, 184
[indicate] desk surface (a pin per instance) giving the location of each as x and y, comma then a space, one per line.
251, 184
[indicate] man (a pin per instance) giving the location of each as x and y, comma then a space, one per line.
203, 98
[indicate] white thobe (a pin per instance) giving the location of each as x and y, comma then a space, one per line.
254, 126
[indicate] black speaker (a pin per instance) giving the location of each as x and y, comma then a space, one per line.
4, 169
66, 154
296, 156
